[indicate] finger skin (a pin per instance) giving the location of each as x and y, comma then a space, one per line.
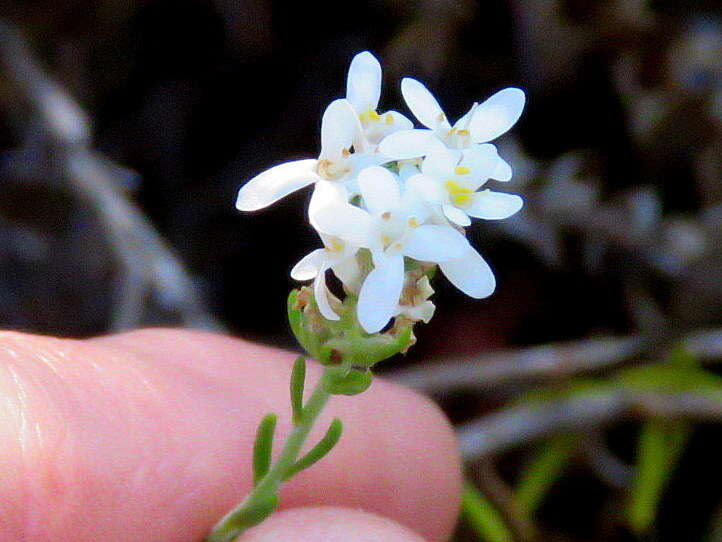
147, 435
329, 524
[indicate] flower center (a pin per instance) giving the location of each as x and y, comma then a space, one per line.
459, 195
332, 171
390, 229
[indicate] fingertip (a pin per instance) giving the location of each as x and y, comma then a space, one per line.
329, 524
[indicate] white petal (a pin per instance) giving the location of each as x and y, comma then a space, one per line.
363, 85
381, 292
321, 293
496, 115
456, 215
379, 189
471, 274
346, 221
440, 161
325, 193
432, 243
339, 126
348, 272
494, 205
482, 160
502, 170
463, 122
426, 188
423, 104
275, 183
406, 144
399, 121
308, 267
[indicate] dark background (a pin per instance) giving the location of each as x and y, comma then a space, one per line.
617, 155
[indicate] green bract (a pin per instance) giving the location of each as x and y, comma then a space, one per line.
343, 342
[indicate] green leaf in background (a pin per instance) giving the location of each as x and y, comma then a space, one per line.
660, 445
263, 447
298, 381
546, 467
483, 517
318, 452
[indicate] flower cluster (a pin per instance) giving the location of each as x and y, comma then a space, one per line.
390, 201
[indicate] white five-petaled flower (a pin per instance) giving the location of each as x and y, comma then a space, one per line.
482, 123
363, 91
334, 172
390, 231
451, 179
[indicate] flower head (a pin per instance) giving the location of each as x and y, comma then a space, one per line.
384, 228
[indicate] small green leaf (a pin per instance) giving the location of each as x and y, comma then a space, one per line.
347, 382
483, 517
660, 445
298, 381
538, 478
263, 447
249, 516
324, 446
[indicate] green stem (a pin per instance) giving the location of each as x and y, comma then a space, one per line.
263, 498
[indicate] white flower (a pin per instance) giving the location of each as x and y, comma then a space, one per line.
363, 90
481, 124
390, 231
336, 255
336, 167
451, 179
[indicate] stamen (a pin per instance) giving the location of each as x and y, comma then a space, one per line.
462, 170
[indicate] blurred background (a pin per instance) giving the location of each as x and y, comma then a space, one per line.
587, 390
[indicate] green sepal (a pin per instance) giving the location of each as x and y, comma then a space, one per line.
341, 381
343, 342
263, 447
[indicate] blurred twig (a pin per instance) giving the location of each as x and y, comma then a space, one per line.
516, 425
551, 361
147, 264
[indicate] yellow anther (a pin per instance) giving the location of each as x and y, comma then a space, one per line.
386, 215
370, 115
459, 195
463, 132
345, 153
389, 118
336, 245
413, 222
385, 240
462, 170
